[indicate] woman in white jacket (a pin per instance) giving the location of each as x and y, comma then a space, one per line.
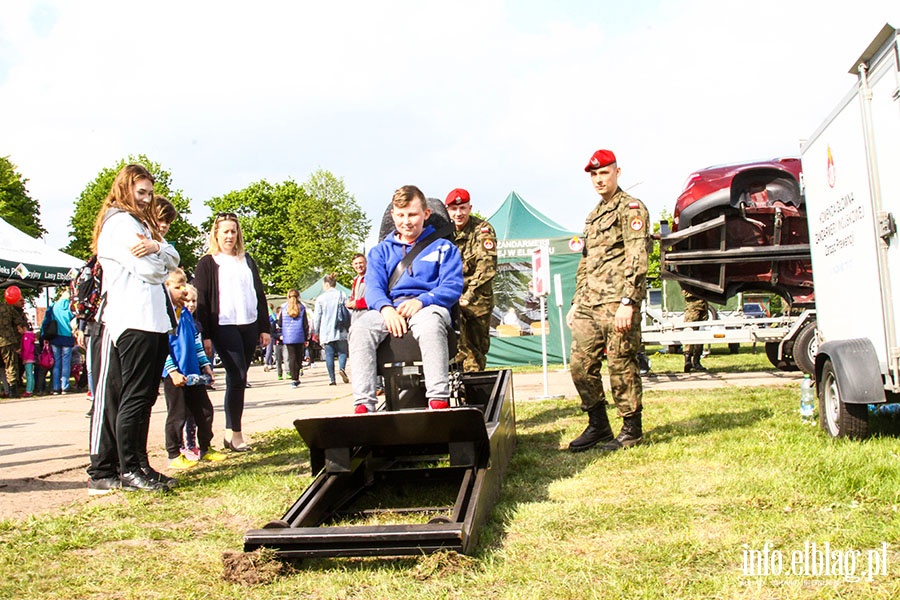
136, 318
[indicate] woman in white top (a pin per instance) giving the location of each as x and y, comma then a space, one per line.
135, 319
232, 313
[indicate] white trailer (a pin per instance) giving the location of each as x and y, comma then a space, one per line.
851, 179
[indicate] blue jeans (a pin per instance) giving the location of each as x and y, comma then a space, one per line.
62, 366
339, 346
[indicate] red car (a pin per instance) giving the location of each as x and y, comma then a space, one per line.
738, 228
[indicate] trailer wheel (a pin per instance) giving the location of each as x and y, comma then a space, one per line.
780, 364
805, 346
734, 348
836, 417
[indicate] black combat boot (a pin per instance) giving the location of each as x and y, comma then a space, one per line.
598, 430
631, 434
14, 391
687, 363
695, 364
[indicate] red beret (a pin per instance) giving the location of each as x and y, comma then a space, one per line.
600, 158
457, 196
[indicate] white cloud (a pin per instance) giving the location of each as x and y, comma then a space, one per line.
488, 95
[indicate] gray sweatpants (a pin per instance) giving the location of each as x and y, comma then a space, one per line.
429, 327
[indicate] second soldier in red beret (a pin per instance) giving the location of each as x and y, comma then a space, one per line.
477, 243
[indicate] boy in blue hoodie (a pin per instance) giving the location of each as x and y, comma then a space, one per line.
420, 301
184, 387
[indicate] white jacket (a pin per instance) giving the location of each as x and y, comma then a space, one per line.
134, 287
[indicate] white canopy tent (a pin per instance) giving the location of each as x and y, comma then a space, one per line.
26, 261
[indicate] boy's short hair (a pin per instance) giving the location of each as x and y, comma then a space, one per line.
166, 210
191, 290
330, 279
176, 277
406, 194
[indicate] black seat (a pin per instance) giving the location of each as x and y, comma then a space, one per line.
399, 359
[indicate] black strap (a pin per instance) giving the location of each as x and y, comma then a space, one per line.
416, 250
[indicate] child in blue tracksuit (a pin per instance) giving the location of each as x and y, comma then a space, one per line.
420, 302
184, 386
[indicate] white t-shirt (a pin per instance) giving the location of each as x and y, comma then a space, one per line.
237, 296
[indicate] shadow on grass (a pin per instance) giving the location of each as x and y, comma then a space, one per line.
706, 423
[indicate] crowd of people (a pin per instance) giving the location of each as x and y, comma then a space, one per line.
151, 325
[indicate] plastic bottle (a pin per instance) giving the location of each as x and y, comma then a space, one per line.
807, 400
202, 379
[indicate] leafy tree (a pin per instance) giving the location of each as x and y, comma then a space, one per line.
327, 230
183, 235
16, 207
654, 277
297, 232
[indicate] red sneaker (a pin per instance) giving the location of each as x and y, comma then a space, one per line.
438, 404
361, 409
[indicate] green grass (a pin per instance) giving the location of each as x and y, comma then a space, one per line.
721, 472
720, 360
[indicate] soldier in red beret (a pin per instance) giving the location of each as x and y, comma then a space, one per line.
477, 243
610, 284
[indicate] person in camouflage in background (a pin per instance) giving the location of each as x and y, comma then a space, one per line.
12, 325
606, 310
695, 309
477, 243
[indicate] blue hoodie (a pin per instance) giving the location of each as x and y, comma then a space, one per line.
435, 276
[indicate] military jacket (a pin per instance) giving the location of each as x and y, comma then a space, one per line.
11, 318
477, 243
614, 259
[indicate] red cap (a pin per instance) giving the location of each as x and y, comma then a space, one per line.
12, 294
457, 196
600, 158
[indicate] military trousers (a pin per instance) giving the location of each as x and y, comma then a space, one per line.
593, 336
474, 341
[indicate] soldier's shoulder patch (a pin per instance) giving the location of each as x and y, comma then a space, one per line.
637, 224
485, 229
488, 244
634, 205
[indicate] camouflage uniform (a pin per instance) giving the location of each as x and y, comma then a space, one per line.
614, 266
11, 319
477, 243
695, 309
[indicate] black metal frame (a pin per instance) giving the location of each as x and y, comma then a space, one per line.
354, 454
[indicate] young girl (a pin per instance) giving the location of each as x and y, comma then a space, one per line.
29, 357
184, 388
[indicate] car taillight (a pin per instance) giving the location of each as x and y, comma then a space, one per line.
691, 180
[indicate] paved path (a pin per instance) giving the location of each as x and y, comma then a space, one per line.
43, 436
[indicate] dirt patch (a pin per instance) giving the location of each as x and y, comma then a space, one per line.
21, 498
251, 568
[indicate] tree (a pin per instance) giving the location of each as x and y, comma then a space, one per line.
327, 230
654, 275
297, 232
16, 207
183, 235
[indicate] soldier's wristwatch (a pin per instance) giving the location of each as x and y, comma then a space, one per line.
627, 301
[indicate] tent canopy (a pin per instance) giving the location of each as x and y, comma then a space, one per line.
516, 322
27, 261
313, 291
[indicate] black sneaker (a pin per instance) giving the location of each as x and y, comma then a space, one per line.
154, 475
103, 485
137, 481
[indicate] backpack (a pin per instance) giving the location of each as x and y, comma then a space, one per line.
87, 293
343, 315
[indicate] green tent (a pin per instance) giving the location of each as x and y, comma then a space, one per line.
312, 292
520, 227
26, 261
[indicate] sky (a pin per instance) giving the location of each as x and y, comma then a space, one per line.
489, 95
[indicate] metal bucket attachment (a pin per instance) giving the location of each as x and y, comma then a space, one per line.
385, 466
